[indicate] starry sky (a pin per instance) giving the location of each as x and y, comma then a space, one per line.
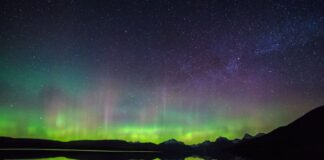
148, 71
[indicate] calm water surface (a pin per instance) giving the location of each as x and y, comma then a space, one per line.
69, 154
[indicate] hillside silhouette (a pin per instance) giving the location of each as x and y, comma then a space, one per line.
303, 138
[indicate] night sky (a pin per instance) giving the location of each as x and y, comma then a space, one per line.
150, 71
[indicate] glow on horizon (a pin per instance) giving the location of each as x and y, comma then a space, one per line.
66, 127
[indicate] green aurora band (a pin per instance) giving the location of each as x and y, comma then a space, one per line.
74, 110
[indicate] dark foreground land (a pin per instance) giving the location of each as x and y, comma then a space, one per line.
301, 139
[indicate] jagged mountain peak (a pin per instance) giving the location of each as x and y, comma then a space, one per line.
172, 141
247, 136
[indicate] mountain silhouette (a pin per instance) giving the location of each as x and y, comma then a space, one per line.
220, 145
247, 137
303, 137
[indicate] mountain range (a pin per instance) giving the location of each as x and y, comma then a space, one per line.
303, 137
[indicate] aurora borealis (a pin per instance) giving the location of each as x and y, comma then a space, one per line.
150, 71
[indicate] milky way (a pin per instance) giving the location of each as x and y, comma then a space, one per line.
149, 71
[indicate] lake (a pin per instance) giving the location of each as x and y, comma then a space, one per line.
70, 154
